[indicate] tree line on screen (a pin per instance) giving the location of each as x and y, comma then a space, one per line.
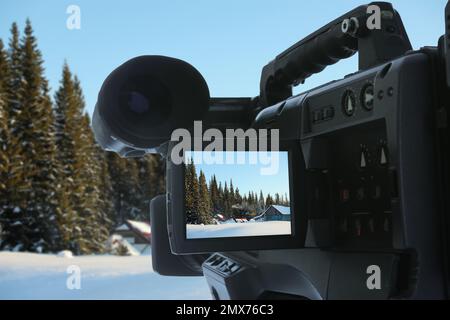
58, 189
204, 200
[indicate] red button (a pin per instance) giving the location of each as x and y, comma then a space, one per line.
344, 195
358, 227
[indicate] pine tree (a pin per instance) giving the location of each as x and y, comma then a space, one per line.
83, 219
16, 184
251, 200
67, 118
105, 188
125, 184
237, 196
191, 194
226, 201
232, 196
33, 202
269, 201
286, 201
151, 181
44, 174
15, 80
157, 172
95, 221
221, 200
87, 176
261, 203
4, 133
45, 181
277, 199
204, 207
4, 130
214, 194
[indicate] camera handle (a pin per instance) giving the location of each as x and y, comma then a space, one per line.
337, 40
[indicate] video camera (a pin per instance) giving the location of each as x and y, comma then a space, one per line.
364, 161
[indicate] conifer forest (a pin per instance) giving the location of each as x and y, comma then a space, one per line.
58, 189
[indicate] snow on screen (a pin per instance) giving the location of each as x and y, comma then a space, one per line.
236, 194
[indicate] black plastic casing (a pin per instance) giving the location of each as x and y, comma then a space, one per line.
163, 261
411, 256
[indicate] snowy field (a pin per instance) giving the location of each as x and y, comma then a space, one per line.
39, 276
247, 229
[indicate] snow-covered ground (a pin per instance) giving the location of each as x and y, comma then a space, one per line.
250, 228
40, 276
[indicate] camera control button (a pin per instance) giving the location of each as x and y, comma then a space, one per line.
383, 158
363, 162
344, 195
329, 113
358, 227
360, 194
348, 103
367, 97
376, 192
390, 91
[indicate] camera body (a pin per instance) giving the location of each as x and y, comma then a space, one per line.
365, 197
368, 169
364, 167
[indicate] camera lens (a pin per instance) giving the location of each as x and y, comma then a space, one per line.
144, 99
138, 102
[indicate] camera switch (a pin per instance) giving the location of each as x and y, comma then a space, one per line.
344, 195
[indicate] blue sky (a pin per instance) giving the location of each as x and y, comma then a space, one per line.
228, 41
247, 177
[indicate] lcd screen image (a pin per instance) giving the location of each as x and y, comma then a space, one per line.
244, 194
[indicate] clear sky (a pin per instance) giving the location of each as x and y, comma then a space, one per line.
247, 176
228, 41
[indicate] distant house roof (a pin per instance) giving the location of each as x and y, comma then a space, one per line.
140, 229
282, 209
122, 227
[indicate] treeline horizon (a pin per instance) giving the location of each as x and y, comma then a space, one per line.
58, 189
204, 200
